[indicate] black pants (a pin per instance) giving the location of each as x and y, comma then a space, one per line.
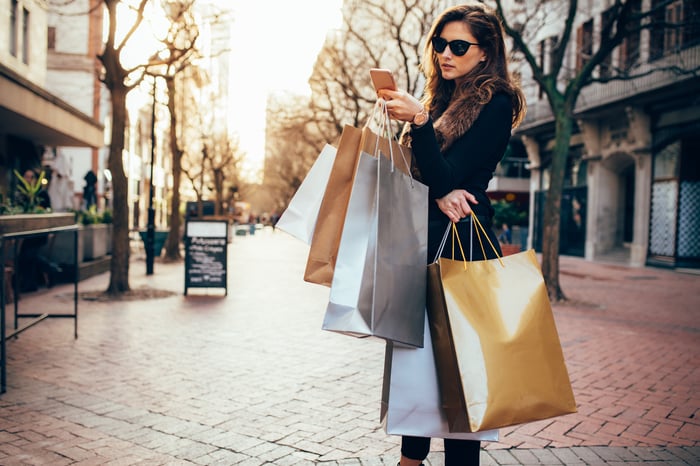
457, 452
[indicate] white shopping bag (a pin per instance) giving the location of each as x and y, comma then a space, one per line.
411, 398
299, 218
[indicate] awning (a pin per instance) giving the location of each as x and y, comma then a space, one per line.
30, 112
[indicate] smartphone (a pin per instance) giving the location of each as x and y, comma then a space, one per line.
382, 79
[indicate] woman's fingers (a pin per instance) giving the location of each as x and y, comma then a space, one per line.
457, 204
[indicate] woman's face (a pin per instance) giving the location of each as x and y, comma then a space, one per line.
455, 67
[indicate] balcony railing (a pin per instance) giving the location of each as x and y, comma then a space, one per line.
599, 94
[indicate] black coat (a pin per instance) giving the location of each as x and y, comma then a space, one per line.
467, 164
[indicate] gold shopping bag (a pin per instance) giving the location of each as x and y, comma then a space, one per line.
492, 324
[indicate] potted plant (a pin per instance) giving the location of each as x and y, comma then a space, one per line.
31, 194
95, 233
28, 209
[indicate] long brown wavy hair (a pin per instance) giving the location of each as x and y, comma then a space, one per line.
487, 78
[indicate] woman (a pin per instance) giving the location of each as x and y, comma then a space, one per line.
458, 133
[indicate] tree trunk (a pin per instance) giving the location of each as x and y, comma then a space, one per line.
119, 268
552, 210
172, 244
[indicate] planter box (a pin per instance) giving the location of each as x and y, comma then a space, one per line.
30, 222
61, 251
95, 240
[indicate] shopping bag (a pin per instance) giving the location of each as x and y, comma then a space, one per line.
493, 321
411, 398
325, 240
352, 265
378, 287
331, 214
299, 218
379, 284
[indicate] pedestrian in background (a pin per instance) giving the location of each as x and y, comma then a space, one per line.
506, 237
458, 133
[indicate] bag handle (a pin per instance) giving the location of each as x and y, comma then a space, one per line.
385, 130
451, 226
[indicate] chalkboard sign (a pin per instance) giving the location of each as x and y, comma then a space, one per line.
205, 254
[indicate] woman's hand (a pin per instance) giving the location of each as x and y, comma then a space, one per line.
455, 204
401, 105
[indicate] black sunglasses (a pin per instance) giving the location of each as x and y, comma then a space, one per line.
458, 47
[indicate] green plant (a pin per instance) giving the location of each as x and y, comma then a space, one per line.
509, 213
7, 208
29, 192
106, 216
90, 216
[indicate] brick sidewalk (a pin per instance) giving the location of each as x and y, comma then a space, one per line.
250, 379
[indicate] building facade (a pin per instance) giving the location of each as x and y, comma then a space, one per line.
632, 185
74, 39
34, 120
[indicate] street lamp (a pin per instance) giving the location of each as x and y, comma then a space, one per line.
150, 226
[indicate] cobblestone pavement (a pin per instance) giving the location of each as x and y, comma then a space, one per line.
250, 379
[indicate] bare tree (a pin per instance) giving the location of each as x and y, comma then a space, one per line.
374, 34
292, 150
179, 52
223, 162
563, 85
212, 166
118, 81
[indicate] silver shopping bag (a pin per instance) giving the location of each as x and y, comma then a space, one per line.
352, 266
299, 218
379, 284
411, 402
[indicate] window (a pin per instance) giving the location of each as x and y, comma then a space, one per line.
584, 44
691, 19
25, 35
545, 55
629, 49
605, 67
675, 26
51, 38
540, 56
673, 34
13, 28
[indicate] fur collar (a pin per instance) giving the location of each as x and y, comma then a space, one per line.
453, 122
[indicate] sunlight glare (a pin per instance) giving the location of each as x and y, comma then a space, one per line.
275, 44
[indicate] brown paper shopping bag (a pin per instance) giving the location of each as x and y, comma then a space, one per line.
492, 319
331, 214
